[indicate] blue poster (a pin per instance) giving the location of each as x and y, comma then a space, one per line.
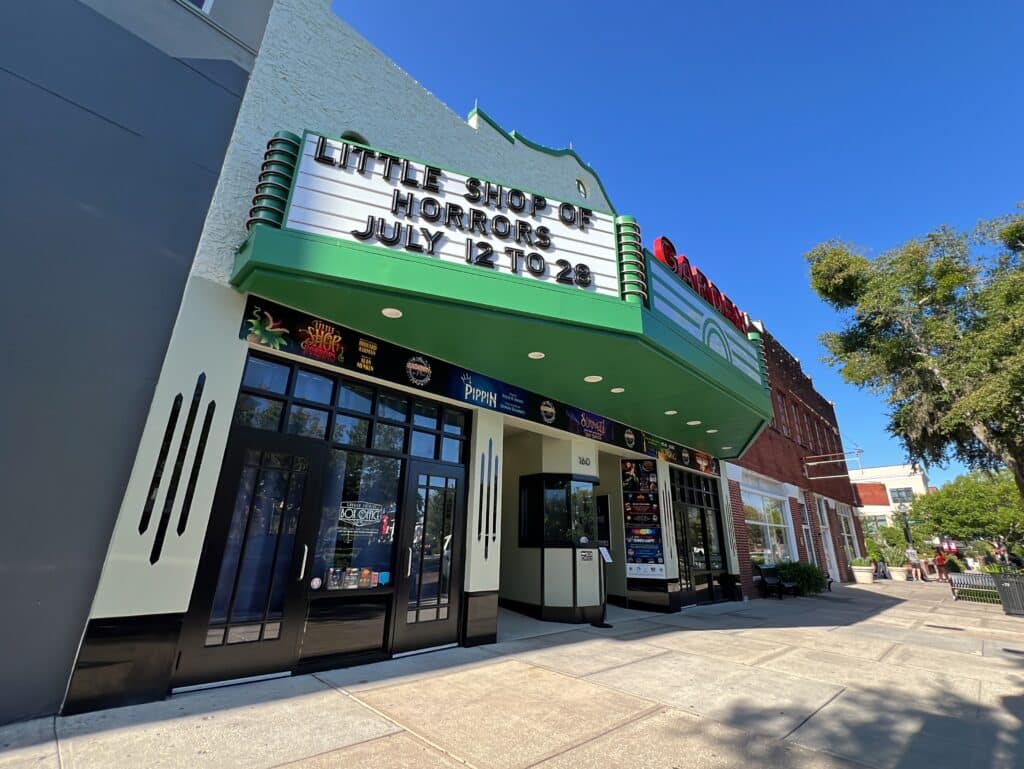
470, 387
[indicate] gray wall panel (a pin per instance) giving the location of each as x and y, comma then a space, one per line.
112, 153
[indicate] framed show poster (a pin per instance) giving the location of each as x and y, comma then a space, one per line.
645, 557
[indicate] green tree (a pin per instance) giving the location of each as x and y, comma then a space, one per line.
979, 505
936, 326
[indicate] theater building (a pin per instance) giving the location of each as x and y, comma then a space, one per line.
423, 370
790, 494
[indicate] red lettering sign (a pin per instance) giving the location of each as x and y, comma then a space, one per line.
665, 252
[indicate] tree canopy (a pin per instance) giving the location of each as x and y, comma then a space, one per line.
980, 505
936, 326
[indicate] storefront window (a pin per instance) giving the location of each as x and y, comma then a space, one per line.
255, 411
845, 515
280, 397
768, 532
357, 529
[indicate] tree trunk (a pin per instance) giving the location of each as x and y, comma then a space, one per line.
1014, 461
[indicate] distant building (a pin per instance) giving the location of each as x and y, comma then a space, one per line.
881, 490
790, 496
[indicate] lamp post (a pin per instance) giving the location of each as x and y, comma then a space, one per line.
901, 514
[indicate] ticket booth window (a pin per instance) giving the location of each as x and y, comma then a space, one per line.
556, 511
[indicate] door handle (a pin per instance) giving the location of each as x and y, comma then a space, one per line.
408, 567
302, 569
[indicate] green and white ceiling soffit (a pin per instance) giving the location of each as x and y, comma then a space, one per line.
544, 294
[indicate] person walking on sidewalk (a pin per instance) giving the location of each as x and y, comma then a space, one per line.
915, 562
940, 567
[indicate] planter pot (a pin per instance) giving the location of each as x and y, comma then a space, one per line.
898, 573
863, 575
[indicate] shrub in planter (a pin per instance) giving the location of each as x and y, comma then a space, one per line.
808, 577
895, 558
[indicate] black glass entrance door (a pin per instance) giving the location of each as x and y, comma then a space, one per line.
699, 540
249, 601
429, 584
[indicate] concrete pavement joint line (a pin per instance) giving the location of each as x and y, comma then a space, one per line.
898, 665
895, 645
334, 750
772, 655
661, 653
613, 728
399, 724
815, 712
413, 677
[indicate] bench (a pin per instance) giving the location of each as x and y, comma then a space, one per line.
771, 581
973, 586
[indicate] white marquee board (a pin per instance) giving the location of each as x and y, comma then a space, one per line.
338, 201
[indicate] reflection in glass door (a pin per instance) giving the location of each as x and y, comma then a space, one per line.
429, 589
248, 604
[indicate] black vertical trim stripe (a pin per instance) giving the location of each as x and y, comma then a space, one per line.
158, 471
179, 463
494, 510
193, 478
487, 511
480, 505
575, 579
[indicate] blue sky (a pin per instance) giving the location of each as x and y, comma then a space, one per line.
749, 131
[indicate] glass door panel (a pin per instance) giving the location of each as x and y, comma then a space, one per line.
355, 546
697, 537
428, 590
682, 549
248, 605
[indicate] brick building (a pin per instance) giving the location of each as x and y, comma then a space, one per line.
778, 512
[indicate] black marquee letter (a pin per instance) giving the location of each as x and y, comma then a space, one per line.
394, 237
322, 155
567, 213
543, 237
453, 211
501, 226
431, 178
371, 223
430, 209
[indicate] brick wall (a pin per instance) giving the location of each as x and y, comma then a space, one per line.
739, 525
794, 512
781, 450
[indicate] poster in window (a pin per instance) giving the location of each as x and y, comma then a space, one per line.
645, 555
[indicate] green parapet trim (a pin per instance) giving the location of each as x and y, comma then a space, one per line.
515, 136
489, 322
476, 111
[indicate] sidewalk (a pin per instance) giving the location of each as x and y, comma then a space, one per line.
893, 675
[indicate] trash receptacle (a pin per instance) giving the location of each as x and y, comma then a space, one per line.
1011, 592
